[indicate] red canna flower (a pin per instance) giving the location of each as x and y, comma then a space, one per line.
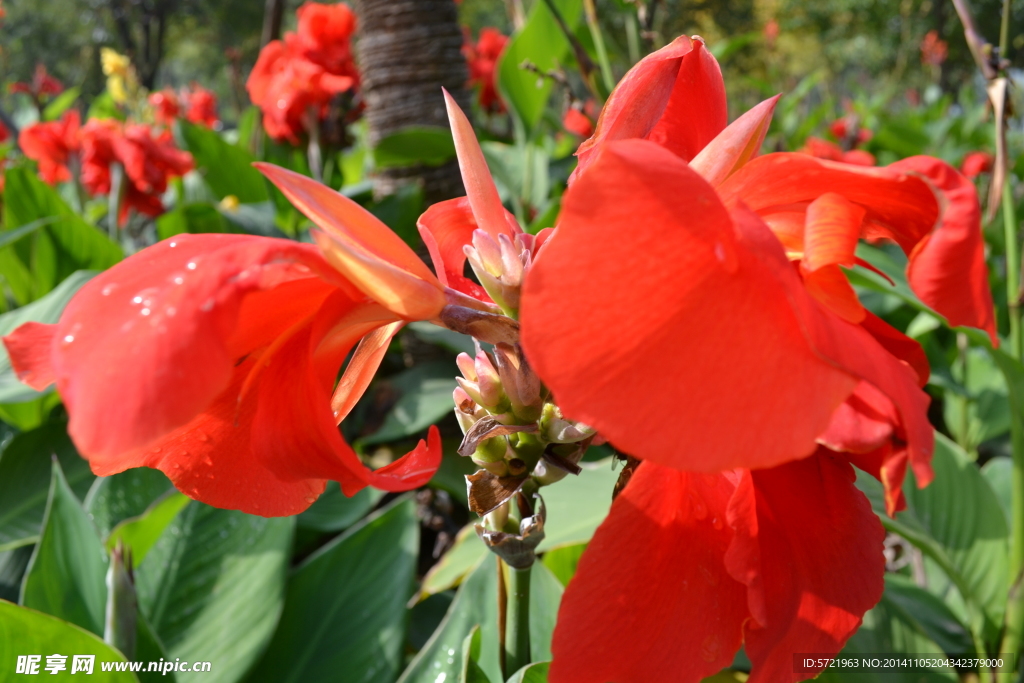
295, 79
482, 59
580, 121
823, 149
4, 133
201, 106
166, 107
214, 357
742, 524
42, 85
52, 145
933, 49
976, 163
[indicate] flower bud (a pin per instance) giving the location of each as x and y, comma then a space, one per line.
521, 385
556, 429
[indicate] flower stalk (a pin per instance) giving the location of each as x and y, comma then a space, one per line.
517, 620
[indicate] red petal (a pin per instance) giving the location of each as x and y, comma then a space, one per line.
149, 344
831, 232
361, 369
651, 599
947, 269
736, 145
445, 228
819, 563
889, 466
646, 254
828, 284
674, 96
900, 345
30, 348
863, 423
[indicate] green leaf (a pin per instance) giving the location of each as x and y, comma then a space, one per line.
13, 564
542, 43
920, 607
46, 310
191, 218
333, 511
114, 499
475, 604
226, 168
987, 412
212, 587
36, 264
66, 576
344, 615
465, 555
958, 522
60, 104
26, 479
563, 561
999, 473
577, 505
12, 236
471, 671
426, 145
25, 631
532, 673
148, 648
140, 533
426, 397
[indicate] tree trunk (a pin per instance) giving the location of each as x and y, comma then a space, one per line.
408, 50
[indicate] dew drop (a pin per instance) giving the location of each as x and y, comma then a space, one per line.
136, 299
191, 265
178, 279
108, 290
69, 338
172, 245
720, 252
207, 305
145, 311
717, 523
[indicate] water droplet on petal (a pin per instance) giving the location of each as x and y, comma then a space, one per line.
717, 523
720, 252
136, 299
69, 338
178, 279
145, 311
108, 290
710, 648
191, 265
172, 245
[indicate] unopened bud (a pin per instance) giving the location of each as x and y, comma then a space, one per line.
556, 429
488, 381
466, 366
517, 550
521, 385
119, 629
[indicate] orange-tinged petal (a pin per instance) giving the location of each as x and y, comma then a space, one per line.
828, 284
651, 599
480, 188
361, 369
674, 96
405, 294
814, 553
831, 232
30, 347
346, 221
736, 145
647, 255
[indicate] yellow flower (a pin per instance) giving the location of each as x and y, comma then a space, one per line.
114, 64
115, 86
229, 203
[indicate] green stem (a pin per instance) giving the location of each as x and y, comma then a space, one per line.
602, 53
114, 199
517, 620
1014, 632
1012, 270
633, 37
1004, 30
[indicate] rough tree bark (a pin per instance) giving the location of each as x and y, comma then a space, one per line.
408, 50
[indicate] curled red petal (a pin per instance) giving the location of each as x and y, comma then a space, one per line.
900, 345
736, 145
815, 548
651, 599
646, 254
863, 423
30, 347
674, 96
147, 345
361, 369
947, 268
446, 227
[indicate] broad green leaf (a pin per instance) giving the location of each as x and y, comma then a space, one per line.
26, 478
27, 415
466, 553
475, 604
191, 218
958, 522
426, 145
426, 398
333, 511
886, 630
727, 676
212, 587
36, 264
542, 44
999, 473
60, 104
520, 172
532, 673
46, 310
344, 615
471, 671
563, 561
116, 498
140, 533
25, 631
226, 168
929, 613
13, 564
987, 413
400, 211
66, 576
12, 236
148, 648
577, 505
